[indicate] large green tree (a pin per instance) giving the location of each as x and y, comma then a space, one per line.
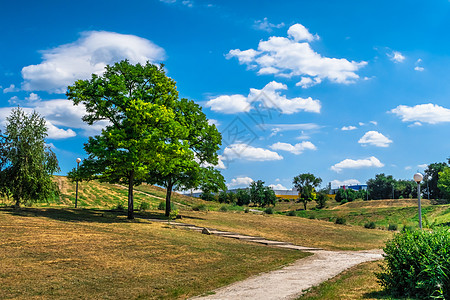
26, 162
444, 182
431, 178
381, 186
136, 101
306, 185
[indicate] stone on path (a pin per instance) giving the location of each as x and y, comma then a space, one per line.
206, 231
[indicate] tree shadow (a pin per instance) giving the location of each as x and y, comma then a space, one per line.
82, 214
384, 295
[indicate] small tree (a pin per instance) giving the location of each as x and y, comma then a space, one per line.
257, 192
321, 199
243, 197
306, 184
444, 182
269, 196
223, 197
26, 162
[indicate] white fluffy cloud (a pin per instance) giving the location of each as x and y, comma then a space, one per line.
375, 138
277, 186
240, 182
396, 56
338, 183
295, 149
269, 96
419, 69
422, 113
371, 162
293, 56
346, 128
247, 152
62, 65
12, 88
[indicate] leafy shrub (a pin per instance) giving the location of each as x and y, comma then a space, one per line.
344, 201
162, 206
401, 197
408, 228
291, 213
418, 264
223, 208
312, 217
144, 206
269, 210
392, 227
246, 210
200, 207
370, 225
340, 220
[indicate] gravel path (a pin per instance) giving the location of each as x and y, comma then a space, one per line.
290, 281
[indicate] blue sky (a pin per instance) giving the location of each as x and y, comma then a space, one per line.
347, 89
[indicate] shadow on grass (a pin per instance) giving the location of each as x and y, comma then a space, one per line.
383, 295
82, 214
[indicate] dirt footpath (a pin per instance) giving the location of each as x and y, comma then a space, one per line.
290, 281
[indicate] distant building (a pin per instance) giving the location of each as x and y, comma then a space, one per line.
357, 187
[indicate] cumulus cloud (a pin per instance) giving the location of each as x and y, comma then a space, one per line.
396, 56
247, 152
240, 182
269, 96
12, 88
375, 138
293, 56
295, 149
265, 25
62, 65
346, 128
371, 162
220, 164
338, 183
277, 186
422, 113
419, 69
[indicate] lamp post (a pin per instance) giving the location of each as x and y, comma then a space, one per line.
418, 178
76, 189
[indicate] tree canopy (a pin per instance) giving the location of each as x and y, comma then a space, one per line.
306, 185
26, 162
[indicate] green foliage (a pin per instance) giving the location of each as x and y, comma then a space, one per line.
200, 207
26, 162
223, 208
162, 205
269, 211
207, 196
291, 213
444, 182
340, 220
346, 194
431, 179
243, 197
418, 264
223, 197
306, 184
381, 186
119, 207
321, 200
246, 210
262, 195
144, 206
392, 227
370, 225
173, 214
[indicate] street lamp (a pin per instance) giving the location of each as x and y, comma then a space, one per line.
418, 178
76, 189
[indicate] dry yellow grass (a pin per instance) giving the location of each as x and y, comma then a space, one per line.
300, 231
85, 254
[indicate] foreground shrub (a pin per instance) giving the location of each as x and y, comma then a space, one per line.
291, 213
340, 220
223, 208
144, 206
370, 225
200, 207
392, 227
418, 264
269, 210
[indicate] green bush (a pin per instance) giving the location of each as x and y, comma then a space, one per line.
144, 206
370, 225
392, 227
344, 201
291, 213
269, 210
246, 210
162, 206
418, 264
340, 220
200, 207
223, 208
312, 217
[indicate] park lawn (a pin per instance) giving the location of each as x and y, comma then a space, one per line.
300, 231
65, 253
358, 282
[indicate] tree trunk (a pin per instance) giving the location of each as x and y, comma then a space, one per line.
130, 196
304, 204
168, 197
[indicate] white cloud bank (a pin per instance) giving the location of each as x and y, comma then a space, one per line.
63, 65
277, 186
269, 96
422, 113
374, 138
247, 152
240, 182
371, 162
293, 56
295, 149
